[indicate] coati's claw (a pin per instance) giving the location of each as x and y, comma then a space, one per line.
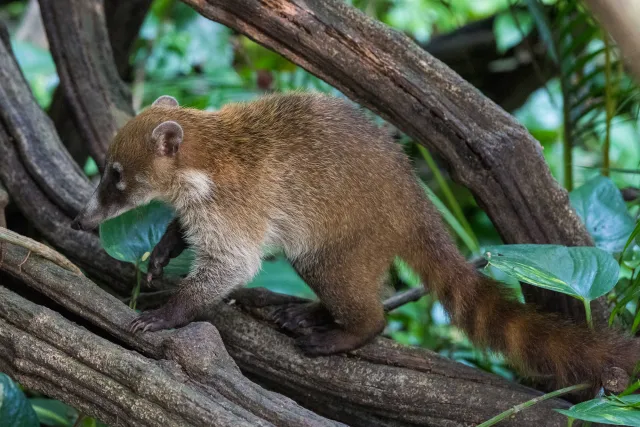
156, 320
295, 316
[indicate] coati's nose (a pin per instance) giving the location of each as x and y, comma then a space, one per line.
76, 224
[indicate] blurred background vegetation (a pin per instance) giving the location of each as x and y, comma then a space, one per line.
547, 62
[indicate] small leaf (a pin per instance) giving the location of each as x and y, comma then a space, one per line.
583, 272
621, 411
600, 205
15, 409
129, 236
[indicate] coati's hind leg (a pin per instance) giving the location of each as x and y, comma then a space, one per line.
347, 282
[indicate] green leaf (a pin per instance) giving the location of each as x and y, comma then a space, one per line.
129, 236
15, 410
53, 412
600, 205
583, 272
621, 411
90, 167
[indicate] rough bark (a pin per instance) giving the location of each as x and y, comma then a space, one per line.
100, 102
485, 148
197, 382
200, 385
123, 19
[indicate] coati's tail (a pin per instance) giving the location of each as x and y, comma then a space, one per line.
538, 344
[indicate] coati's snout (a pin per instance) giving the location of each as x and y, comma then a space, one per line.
110, 199
125, 182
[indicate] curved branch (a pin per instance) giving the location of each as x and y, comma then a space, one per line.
99, 100
124, 19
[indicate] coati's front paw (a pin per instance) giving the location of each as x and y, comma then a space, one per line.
291, 317
162, 318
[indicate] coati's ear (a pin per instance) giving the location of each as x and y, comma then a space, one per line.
167, 137
165, 101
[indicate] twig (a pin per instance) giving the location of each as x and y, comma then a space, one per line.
532, 402
401, 298
40, 249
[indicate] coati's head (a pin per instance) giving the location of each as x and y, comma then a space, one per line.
139, 161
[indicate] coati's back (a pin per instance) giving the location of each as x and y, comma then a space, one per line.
326, 164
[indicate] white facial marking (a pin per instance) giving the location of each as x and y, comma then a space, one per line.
197, 185
121, 185
117, 166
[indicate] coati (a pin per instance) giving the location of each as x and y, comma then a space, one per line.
310, 174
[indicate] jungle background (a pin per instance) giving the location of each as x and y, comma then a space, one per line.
549, 63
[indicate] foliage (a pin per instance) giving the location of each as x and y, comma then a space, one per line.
620, 411
14, 406
595, 88
586, 273
601, 207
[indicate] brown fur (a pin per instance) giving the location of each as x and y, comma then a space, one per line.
310, 173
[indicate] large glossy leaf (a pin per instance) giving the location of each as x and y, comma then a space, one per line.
15, 410
601, 207
129, 236
279, 276
583, 272
620, 411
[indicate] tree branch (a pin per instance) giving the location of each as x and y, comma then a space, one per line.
99, 100
123, 19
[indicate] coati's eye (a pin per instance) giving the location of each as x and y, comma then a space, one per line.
116, 170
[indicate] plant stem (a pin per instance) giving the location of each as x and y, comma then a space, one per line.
446, 190
136, 290
587, 312
608, 105
532, 402
636, 323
